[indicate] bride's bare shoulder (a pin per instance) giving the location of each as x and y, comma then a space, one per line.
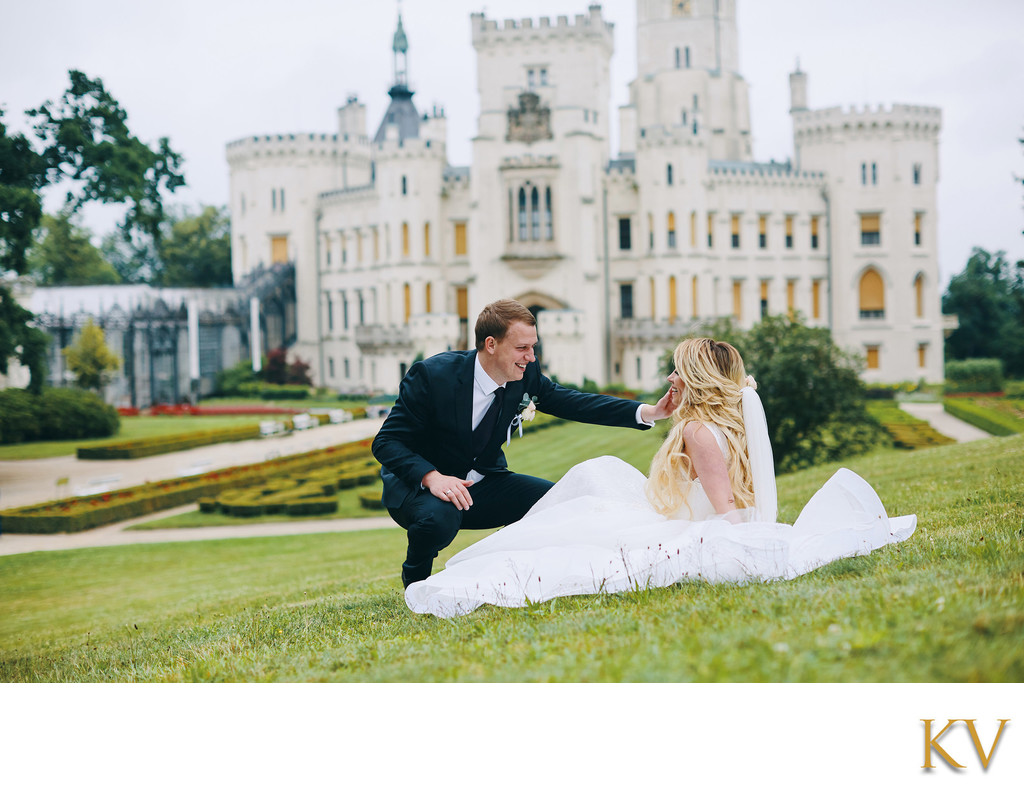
696, 430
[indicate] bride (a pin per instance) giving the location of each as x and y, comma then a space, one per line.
707, 512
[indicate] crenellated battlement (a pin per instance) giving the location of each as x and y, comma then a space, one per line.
867, 120
587, 26
294, 144
727, 172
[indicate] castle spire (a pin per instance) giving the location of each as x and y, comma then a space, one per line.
401, 112
400, 47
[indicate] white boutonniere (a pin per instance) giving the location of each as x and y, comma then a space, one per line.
526, 410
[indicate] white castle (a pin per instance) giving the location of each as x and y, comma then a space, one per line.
396, 251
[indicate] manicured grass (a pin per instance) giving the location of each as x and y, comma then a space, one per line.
997, 416
906, 431
948, 605
133, 427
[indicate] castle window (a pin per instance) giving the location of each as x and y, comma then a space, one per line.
671, 230
816, 299
650, 231
764, 299
549, 222
917, 229
330, 312
922, 354
693, 295
625, 233
735, 231
280, 195
919, 295
679, 58
789, 232
693, 228
916, 172
870, 229
523, 226
279, 249
543, 76
684, 117
273, 198
535, 214
407, 301
711, 230
673, 311
762, 232
460, 239
791, 298
330, 367
686, 55
376, 243
626, 301
362, 308
814, 232
405, 239
872, 295
348, 368
426, 239
871, 352
874, 173
344, 318
668, 174
737, 299
530, 78
405, 186
863, 173
696, 106
428, 295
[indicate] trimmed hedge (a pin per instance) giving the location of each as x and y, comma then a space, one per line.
82, 513
906, 431
995, 423
146, 447
974, 376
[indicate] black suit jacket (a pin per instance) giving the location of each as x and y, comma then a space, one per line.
431, 425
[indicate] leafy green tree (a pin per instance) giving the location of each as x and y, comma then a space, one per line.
86, 139
20, 341
22, 175
64, 255
988, 299
197, 250
90, 358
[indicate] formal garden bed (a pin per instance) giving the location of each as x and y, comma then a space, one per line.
996, 415
906, 431
83, 513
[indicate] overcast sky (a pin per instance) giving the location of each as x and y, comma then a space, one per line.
205, 73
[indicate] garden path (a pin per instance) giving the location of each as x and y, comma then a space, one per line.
942, 422
26, 482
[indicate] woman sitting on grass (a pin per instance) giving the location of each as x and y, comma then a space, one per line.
707, 512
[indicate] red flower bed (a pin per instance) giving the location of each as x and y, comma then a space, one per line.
188, 409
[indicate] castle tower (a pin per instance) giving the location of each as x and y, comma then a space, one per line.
688, 74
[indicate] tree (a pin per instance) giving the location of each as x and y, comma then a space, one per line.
90, 358
22, 175
197, 250
988, 299
65, 256
86, 139
277, 370
20, 341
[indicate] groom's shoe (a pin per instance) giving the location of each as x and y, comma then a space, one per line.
411, 575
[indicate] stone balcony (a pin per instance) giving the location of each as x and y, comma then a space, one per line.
376, 338
646, 330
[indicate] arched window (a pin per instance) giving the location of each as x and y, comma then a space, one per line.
671, 230
405, 239
919, 295
668, 174
407, 301
523, 232
549, 222
872, 295
535, 214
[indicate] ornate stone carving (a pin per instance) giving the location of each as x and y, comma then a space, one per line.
531, 122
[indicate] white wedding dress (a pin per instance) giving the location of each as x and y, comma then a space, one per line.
595, 531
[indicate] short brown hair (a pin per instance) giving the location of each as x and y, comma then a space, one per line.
495, 319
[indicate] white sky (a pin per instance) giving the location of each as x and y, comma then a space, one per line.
205, 73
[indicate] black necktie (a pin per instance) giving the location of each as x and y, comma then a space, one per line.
485, 428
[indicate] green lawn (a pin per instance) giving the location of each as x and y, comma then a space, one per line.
133, 427
948, 605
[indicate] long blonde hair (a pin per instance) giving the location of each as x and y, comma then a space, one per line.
713, 378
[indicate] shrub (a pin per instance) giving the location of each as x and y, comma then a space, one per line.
974, 376
56, 413
230, 381
995, 423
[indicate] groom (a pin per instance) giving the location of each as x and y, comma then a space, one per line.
441, 447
